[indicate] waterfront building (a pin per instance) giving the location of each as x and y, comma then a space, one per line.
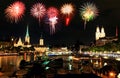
26, 43
19, 43
41, 48
101, 38
41, 42
100, 34
97, 35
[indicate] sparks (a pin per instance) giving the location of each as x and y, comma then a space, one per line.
53, 21
67, 10
52, 15
52, 12
38, 10
15, 11
88, 12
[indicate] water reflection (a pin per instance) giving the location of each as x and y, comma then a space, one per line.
11, 63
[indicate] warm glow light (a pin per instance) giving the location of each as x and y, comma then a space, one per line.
118, 76
105, 57
118, 59
105, 64
112, 74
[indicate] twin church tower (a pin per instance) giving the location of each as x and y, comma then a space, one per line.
101, 39
100, 34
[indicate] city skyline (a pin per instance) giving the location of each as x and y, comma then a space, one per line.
108, 17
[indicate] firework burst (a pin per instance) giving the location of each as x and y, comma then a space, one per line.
15, 11
38, 10
52, 16
88, 12
52, 12
67, 10
53, 21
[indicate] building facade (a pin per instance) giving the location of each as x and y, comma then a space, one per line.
26, 43
101, 38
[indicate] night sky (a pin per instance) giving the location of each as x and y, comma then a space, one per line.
109, 18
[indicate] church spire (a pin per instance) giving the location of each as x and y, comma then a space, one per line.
41, 42
27, 32
102, 34
27, 37
97, 35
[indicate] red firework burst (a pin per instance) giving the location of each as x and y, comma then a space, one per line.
67, 10
38, 10
52, 12
15, 11
52, 15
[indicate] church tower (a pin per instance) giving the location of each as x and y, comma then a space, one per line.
102, 34
97, 35
27, 37
41, 42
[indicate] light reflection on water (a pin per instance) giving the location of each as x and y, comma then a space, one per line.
10, 63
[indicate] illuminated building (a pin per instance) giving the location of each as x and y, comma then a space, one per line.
27, 37
19, 43
97, 35
101, 38
41, 42
100, 34
27, 40
41, 48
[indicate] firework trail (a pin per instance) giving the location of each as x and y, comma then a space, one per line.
52, 15
67, 10
53, 21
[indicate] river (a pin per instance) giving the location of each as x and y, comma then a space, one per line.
9, 64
